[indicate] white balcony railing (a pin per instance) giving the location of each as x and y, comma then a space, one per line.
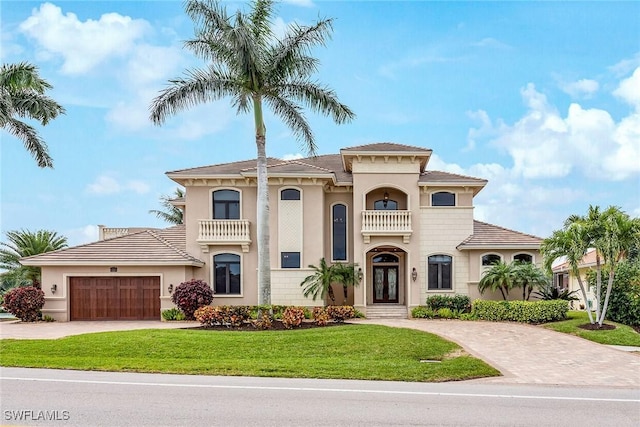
224, 232
386, 223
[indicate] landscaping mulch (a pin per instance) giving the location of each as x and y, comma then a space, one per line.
277, 325
596, 327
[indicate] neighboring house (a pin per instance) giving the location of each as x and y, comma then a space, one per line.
563, 278
410, 230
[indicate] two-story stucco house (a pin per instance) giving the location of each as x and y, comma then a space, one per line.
409, 229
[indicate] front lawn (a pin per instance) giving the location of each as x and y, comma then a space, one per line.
365, 352
621, 335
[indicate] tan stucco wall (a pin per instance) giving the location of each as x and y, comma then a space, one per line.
57, 304
444, 228
464, 197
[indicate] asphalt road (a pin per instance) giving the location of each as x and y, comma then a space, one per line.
75, 398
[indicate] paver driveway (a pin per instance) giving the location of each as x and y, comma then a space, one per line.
523, 353
534, 355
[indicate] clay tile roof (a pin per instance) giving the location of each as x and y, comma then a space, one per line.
386, 146
233, 168
486, 236
589, 260
435, 177
147, 247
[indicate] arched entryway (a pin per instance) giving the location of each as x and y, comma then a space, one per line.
386, 268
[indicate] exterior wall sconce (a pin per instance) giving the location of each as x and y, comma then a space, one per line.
170, 289
54, 288
360, 274
385, 199
113, 269
414, 274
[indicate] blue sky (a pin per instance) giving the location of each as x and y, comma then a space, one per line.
542, 99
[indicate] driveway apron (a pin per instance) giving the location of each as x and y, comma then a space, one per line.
534, 355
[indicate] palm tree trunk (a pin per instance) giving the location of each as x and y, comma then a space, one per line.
584, 294
606, 298
264, 257
598, 284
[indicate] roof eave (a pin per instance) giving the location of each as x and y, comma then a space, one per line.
118, 263
471, 246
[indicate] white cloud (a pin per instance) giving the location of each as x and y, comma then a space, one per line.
81, 235
581, 88
629, 89
106, 184
492, 43
82, 44
292, 156
303, 3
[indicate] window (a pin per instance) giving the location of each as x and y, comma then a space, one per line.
227, 274
339, 215
490, 259
439, 272
443, 198
290, 194
385, 258
290, 259
523, 258
385, 205
226, 204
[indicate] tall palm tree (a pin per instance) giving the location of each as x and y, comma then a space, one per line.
24, 243
251, 66
22, 95
570, 243
170, 213
498, 277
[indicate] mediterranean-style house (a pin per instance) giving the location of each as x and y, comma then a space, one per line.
563, 278
409, 230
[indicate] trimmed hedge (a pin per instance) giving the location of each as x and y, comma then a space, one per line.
520, 311
459, 303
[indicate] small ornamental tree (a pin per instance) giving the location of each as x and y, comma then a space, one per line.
25, 303
191, 295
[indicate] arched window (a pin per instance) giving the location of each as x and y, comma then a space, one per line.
290, 194
339, 232
439, 272
227, 274
443, 198
523, 258
226, 204
385, 258
490, 259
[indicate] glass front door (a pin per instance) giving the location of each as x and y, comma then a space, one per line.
385, 284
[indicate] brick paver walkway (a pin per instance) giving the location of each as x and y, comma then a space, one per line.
534, 355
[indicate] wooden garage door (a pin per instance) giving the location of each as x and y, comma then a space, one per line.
114, 298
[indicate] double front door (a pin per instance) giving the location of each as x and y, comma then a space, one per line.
385, 284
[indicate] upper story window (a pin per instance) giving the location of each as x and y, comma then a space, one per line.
290, 259
523, 258
443, 198
339, 232
290, 194
226, 204
385, 205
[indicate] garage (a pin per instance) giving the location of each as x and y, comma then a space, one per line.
114, 298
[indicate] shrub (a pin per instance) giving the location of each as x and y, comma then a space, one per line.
292, 317
624, 302
48, 318
264, 322
223, 315
173, 314
446, 313
320, 316
340, 312
25, 303
422, 312
549, 292
191, 295
520, 311
459, 303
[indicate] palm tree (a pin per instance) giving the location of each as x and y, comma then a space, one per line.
251, 66
528, 276
319, 283
570, 243
346, 275
498, 277
22, 95
24, 243
169, 212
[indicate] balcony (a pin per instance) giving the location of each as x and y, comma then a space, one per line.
224, 232
386, 223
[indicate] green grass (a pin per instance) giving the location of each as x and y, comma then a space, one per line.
621, 335
367, 352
